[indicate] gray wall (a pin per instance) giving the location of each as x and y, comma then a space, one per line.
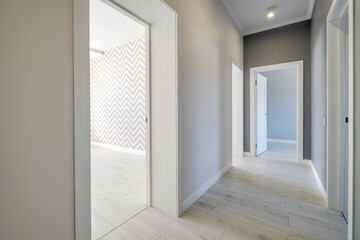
318, 86
209, 39
36, 123
357, 123
285, 44
281, 103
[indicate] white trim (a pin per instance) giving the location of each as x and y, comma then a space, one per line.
120, 149
148, 116
300, 79
351, 127
281, 141
247, 154
306, 162
321, 186
336, 10
198, 193
233, 15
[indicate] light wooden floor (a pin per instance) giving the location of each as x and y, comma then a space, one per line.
257, 199
118, 190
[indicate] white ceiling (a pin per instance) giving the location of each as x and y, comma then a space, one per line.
250, 15
110, 28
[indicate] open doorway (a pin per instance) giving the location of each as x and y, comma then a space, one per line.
340, 100
120, 138
276, 111
163, 177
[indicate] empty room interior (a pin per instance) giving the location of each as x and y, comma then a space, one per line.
179, 120
277, 114
118, 110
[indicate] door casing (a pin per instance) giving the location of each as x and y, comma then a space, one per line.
299, 102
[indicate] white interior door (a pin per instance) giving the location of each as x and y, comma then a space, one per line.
261, 114
237, 112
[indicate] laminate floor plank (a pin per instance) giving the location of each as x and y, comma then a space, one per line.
258, 199
118, 191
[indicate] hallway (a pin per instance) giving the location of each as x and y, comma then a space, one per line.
256, 199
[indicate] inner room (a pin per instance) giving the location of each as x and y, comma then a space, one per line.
279, 120
118, 109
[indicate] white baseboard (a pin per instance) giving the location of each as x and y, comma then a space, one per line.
322, 189
117, 148
282, 141
196, 195
306, 162
247, 154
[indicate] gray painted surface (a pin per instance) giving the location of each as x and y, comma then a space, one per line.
208, 41
318, 86
281, 103
357, 123
36, 123
285, 44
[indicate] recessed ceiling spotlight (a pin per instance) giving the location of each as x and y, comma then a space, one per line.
271, 12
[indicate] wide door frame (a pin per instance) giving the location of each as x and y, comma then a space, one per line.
333, 110
299, 101
165, 167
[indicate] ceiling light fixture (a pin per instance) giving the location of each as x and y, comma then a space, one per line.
271, 12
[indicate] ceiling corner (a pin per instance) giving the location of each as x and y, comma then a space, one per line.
233, 15
311, 8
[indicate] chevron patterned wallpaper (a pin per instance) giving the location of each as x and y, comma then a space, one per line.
117, 94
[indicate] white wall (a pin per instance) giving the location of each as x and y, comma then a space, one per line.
107, 27
208, 40
282, 106
36, 123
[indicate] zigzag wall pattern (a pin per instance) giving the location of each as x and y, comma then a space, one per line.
118, 95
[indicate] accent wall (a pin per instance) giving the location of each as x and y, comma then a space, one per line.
118, 96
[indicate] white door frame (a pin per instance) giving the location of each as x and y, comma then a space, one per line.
333, 58
165, 177
299, 102
242, 110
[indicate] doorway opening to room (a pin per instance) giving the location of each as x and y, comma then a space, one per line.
340, 110
276, 111
119, 109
